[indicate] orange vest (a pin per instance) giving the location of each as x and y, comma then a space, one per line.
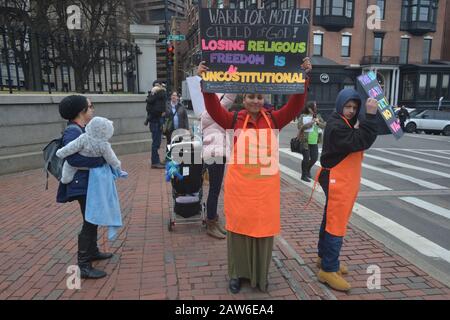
343, 188
252, 199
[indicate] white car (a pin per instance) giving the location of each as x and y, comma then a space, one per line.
429, 121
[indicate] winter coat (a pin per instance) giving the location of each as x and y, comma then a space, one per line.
79, 184
156, 104
181, 112
214, 145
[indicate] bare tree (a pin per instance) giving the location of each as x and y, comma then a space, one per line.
104, 24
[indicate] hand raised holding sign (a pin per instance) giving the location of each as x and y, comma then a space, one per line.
202, 68
371, 106
306, 65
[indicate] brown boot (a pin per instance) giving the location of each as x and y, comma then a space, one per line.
334, 280
212, 229
342, 267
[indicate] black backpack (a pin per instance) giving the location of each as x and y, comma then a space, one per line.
52, 163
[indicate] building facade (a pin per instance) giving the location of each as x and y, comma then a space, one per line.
160, 12
407, 44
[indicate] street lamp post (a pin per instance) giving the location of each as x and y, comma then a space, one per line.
166, 28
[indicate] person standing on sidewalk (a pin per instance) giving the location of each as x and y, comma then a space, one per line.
176, 116
340, 177
156, 107
79, 110
310, 137
403, 115
214, 155
252, 194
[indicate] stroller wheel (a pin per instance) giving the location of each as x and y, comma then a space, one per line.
170, 225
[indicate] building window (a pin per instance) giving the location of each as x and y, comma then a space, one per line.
404, 50
346, 44
419, 10
318, 41
378, 45
408, 86
426, 51
338, 8
422, 87
445, 85
433, 92
382, 5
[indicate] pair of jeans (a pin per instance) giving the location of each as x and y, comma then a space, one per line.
216, 172
310, 157
155, 129
329, 246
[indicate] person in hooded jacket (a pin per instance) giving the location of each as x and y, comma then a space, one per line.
345, 139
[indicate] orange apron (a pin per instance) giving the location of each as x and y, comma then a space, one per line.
252, 199
343, 187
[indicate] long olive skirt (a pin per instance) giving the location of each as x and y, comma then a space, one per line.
249, 258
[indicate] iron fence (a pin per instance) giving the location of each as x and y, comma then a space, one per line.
58, 63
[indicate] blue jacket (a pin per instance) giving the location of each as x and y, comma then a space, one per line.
79, 184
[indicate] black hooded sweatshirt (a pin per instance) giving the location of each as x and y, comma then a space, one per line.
339, 139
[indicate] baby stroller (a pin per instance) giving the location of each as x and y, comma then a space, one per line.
184, 168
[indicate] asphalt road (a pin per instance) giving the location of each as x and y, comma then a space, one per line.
405, 195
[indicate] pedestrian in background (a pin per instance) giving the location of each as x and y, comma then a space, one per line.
403, 115
252, 196
176, 116
79, 110
215, 156
309, 126
156, 107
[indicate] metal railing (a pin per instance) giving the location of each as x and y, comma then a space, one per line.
57, 63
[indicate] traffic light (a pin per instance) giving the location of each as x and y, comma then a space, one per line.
170, 54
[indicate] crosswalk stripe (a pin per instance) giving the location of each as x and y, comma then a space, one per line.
366, 182
414, 158
412, 239
408, 166
420, 182
427, 154
427, 206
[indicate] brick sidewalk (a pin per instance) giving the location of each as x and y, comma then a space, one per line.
38, 243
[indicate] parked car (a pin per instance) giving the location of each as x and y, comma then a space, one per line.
429, 121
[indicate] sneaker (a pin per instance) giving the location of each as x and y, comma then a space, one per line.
158, 166
305, 178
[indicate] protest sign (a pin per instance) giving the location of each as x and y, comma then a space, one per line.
254, 50
388, 122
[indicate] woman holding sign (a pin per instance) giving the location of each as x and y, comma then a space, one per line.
252, 184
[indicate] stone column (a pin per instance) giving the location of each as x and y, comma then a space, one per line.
145, 37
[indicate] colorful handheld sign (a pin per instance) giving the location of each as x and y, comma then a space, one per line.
254, 50
371, 88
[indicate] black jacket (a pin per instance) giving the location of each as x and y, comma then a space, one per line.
339, 139
156, 104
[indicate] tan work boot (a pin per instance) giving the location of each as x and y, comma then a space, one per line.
220, 227
342, 267
213, 230
334, 280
